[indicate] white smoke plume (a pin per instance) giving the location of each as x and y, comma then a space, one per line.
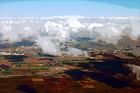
49, 33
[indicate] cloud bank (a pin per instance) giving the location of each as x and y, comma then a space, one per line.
50, 33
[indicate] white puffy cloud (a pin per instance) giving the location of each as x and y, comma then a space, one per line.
135, 69
48, 46
76, 52
74, 23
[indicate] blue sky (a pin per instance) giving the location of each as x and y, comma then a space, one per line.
88, 8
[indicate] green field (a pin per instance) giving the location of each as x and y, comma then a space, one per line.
29, 67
